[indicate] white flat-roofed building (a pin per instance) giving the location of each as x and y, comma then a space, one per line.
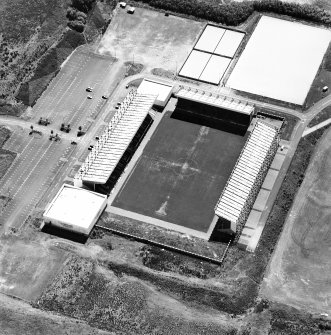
280, 60
75, 209
161, 90
247, 177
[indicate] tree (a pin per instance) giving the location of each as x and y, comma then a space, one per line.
76, 25
75, 15
82, 5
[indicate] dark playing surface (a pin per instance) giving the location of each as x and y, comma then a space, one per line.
181, 173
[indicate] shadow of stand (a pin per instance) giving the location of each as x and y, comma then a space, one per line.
63, 233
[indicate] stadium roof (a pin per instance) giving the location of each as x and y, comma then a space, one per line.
106, 154
237, 190
75, 208
216, 100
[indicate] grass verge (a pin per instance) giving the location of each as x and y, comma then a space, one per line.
6, 156
324, 115
133, 68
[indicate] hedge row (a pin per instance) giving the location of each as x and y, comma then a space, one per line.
235, 13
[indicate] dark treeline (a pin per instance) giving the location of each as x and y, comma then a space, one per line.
235, 13
77, 14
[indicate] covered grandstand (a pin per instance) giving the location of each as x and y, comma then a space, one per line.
213, 110
246, 179
111, 146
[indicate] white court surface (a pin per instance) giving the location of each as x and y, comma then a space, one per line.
75, 209
195, 64
215, 69
280, 60
209, 38
229, 43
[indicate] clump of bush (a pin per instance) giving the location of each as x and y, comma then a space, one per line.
296, 10
77, 14
235, 13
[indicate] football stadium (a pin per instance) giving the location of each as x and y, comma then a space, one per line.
200, 168
192, 160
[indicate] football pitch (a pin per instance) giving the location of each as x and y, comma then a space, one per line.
181, 173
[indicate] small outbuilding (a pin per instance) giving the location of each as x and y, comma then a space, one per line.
122, 4
131, 10
75, 209
162, 90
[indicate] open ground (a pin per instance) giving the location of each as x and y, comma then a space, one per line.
299, 271
27, 268
17, 315
181, 173
117, 289
150, 38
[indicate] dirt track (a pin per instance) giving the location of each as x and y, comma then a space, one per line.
298, 274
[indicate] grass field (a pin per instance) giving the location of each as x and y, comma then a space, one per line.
104, 297
18, 317
28, 28
181, 173
6, 156
322, 79
320, 117
299, 271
